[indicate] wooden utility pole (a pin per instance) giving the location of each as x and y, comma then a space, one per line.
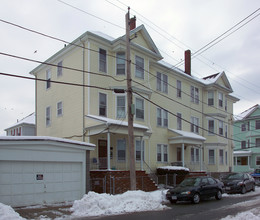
130, 106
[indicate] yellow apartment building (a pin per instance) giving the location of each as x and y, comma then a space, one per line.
178, 119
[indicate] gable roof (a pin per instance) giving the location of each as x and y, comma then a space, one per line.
28, 120
245, 114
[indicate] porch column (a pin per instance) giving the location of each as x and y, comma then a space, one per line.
108, 150
182, 154
142, 160
200, 157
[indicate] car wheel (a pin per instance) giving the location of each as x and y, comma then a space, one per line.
218, 196
196, 198
243, 190
253, 187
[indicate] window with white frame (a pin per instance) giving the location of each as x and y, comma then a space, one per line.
48, 78
162, 82
162, 117
121, 149
102, 60
243, 127
59, 69
178, 88
121, 106
221, 156
257, 124
257, 142
139, 67
211, 126
194, 125
226, 157
211, 156
210, 98
220, 99
139, 108
195, 155
102, 104
120, 63
139, 150
48, 116
226, 103
220, 127
162, 153
243, 144
59, 109
194, 94
226, 131
179, 121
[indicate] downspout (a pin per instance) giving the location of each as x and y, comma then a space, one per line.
83, 90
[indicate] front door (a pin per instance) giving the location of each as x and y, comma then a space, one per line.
179, 154
102, 154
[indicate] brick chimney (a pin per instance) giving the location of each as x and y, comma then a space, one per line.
187, 60
132, 23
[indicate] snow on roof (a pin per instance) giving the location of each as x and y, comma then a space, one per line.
116, 122
246, 113
30, 119
241, 152
174, 168
188, 134
44, 138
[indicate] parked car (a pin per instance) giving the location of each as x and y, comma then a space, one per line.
238, 183
196, 188
256, 175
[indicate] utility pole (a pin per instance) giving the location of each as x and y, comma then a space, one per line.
130, 106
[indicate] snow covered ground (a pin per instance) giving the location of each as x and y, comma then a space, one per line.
94, 204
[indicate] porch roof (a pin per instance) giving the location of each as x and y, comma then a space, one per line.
105, 124
242, 153
184, 137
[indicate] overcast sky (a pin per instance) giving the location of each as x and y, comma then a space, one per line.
174, 25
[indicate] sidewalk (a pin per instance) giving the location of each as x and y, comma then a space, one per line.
45, 211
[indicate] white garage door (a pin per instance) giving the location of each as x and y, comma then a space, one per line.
25, 183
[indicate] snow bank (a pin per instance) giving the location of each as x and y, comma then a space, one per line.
94, 204
7, 213
253, 214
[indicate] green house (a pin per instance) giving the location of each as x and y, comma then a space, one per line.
247, 140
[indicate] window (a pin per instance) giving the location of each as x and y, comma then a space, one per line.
162, 153
194, 93
59, 69
139, 108
243, 127
121, 149
248, 143
226, 103
226, 157
220, 99
211, 127
48, 116
195, 155
138, 148
210, 98
220, 127
139, 67
120, 106
211, 156
257, 142
120, 63
178, 88
102, 60
257, 161
194, 125
248, 125
102, 104
162, 117
179, 121
243, 144
226, 131
59, 109
162, 82
48, 79
257, 124
221, 156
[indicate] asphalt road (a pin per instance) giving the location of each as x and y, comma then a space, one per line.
209, 210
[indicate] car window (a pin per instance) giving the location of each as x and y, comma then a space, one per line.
204, 181
211, 181
235, 176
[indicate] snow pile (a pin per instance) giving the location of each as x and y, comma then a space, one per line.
174, 168
253, 214
7, 212
94, 204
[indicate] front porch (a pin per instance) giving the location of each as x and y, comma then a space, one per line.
242, 161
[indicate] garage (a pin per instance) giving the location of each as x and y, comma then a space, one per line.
39, 170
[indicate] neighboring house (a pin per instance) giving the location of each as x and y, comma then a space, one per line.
247, 140
24, 127
191, 123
